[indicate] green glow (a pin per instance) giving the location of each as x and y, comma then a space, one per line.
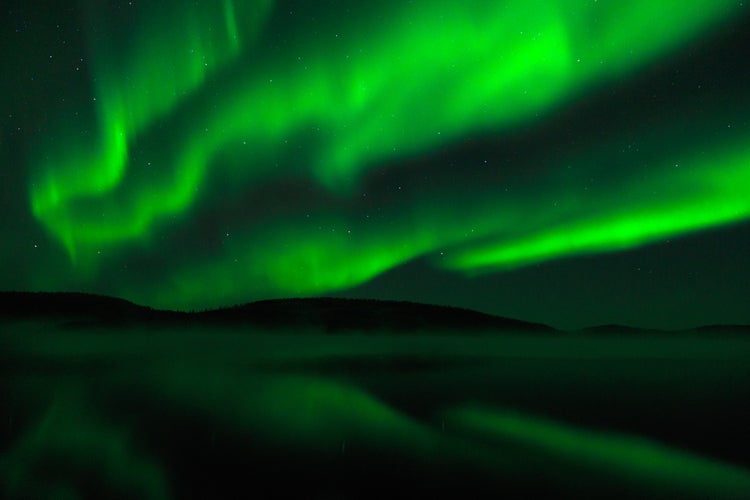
711, 191
231, 21
331, 251
80, 448
124, 409
492, 65
635, 458
184, 99
306, 412
133, 92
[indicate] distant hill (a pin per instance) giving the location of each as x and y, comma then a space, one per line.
336, 315
64, 306
723, 329
701, 330
618, 330
332, 315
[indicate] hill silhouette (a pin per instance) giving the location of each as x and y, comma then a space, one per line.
337, 314
723, 329
619, 330
330, 314
71, 306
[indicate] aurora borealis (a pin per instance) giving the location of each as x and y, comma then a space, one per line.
562, 164
197, 155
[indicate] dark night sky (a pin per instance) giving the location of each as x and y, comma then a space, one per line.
572, 162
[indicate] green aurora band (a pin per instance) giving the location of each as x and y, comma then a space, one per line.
212, 100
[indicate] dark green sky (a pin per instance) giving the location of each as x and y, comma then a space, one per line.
573, 162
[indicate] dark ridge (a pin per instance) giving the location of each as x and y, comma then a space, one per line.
332, 315
619, 330
329, 314
701, 330
66, 306
337, 314
74, 309
723, 329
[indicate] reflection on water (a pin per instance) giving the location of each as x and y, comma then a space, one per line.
157, 414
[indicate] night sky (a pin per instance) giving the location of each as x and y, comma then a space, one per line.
573, 162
